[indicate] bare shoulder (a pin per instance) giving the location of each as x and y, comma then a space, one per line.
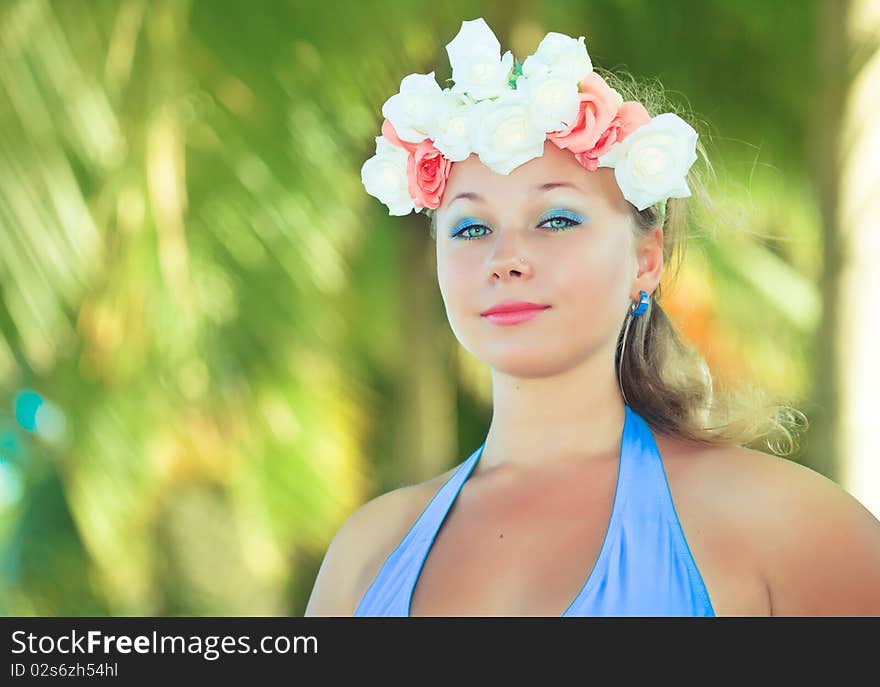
363, 542
818, 547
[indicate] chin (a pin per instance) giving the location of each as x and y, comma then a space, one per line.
528, 362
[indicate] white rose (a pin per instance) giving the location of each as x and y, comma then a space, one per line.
561, 55
554, 99
651, 164
505, 134
452, 133
477, 68
384, 177
413, 111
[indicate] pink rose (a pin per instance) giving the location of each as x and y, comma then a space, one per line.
598, 106
426, 168
427, 171
630, 117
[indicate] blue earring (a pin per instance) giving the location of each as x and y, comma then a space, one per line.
643, 304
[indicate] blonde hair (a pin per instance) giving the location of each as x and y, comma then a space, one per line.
666, 380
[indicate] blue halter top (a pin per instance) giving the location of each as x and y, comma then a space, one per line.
644, 567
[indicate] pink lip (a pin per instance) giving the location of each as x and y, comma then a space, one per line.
513, 316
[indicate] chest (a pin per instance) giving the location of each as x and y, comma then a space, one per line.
513, 550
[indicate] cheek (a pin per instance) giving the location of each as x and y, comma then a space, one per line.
458, 275
467, 289
592, 282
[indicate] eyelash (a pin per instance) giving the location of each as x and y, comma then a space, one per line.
573, 223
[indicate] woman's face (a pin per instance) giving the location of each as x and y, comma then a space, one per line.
578, 250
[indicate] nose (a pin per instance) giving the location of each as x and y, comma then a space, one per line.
511, 266
508, 260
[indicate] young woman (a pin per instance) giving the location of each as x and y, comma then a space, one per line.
605, 484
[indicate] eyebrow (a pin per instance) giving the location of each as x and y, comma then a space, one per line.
543, 187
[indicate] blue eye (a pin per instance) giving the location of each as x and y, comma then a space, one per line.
571, 220
460, 232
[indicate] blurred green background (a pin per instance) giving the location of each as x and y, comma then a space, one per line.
214, 345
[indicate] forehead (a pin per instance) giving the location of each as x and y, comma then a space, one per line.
555, 165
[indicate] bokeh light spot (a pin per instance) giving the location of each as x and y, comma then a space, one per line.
50, 422
26, 404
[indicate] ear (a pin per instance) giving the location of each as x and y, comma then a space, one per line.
649, 262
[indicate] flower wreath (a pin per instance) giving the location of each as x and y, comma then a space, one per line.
505, 110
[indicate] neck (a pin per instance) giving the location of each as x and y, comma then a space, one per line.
537, 422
